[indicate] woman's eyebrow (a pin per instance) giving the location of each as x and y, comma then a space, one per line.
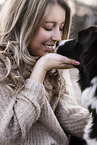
53, 22
49, 22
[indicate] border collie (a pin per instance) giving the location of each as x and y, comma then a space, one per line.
84, 50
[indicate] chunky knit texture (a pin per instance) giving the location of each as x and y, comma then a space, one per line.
28, 118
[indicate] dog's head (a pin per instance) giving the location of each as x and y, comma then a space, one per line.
85, 43
82, 49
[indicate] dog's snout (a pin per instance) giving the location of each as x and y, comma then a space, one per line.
62, 42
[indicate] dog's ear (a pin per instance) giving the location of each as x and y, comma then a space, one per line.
84, 36
94, 43
87, 37
89, 56
87, 32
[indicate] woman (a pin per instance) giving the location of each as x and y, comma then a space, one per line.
34, 106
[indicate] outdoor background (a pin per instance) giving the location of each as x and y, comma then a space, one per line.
84, 14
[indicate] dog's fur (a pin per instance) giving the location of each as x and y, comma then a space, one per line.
84, 50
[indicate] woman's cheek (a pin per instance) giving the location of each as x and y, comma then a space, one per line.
45, 35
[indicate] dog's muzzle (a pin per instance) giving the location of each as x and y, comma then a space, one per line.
60, 43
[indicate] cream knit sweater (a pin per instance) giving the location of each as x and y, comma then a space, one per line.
28, 118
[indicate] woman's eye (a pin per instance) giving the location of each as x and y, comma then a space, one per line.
62, 27
47, 28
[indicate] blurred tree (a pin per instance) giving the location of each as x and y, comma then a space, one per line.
84, 15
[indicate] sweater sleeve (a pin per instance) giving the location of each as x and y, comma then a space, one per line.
71, 116
18, 113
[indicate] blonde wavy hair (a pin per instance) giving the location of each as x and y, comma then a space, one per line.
20, 21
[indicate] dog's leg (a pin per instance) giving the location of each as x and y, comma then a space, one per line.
89, 99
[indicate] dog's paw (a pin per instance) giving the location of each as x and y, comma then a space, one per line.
89, 95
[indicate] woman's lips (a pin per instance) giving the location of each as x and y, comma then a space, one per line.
49, 48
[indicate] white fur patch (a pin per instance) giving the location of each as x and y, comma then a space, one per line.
88, 97
87, 130
62, 42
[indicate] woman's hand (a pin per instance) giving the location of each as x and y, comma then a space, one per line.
56, 61
51, 61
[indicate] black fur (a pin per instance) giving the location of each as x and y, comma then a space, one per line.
84, 50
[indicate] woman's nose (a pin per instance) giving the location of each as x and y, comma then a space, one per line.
57, 35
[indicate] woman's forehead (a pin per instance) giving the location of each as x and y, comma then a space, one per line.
56, 14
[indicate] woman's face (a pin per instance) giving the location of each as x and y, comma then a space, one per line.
49, 33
